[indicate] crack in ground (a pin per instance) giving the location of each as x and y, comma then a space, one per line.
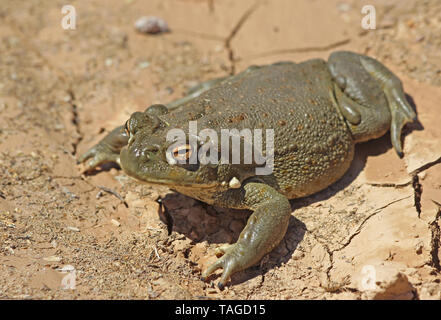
414, 182
233, 33
211, 7
434, 225
426, 166
253, 290
351, 237
435, 241
417, 192
328, 47
75, 122
390, 185
378, 210
62, 76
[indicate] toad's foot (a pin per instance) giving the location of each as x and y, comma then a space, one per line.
400, 109
266, 227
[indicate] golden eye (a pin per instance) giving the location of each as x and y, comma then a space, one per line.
182, 152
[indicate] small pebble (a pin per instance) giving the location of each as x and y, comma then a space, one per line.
343, 7
169, 90
419, 38
152, 293
52, 259
151, 25
143, 64
58, 127
11, 251
69, 193
66, 269
108, 62
419, 247
73, 229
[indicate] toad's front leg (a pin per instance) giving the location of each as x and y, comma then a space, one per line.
107, 150
266, 227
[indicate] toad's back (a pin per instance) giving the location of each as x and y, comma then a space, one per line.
312, 144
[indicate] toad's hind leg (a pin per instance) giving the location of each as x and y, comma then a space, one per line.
373, 99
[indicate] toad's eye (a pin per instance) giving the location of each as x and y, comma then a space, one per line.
182, 152
127, 128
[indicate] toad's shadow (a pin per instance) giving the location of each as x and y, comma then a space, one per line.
202, 222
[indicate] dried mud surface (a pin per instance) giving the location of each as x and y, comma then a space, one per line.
61, 90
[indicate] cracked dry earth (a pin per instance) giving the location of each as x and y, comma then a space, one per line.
374, 234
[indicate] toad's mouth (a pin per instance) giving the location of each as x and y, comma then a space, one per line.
174, 183
161, 173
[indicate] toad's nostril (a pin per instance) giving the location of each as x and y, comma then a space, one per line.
153, 148
150, 152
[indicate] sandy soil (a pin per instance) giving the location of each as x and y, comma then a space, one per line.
374, 234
